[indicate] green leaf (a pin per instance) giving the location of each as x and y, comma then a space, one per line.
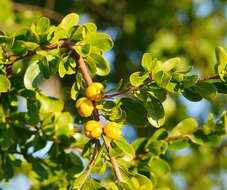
69, 21
83, 50
206, 90
4, 84
91, 27
155, 112
141, 182
43, 25
178, 144
221, 87
102, 66
74, 91
50, 104
31, 46
99, 40
147, 62
116, 88
156, 147
162, 79
157, 92
63, 124
32, 75
169, 64
40, 170
184, 127
6, 136
133, 109
126, 148
221, 66
138, 78
200, 138
79, 33
117, 114
91, 184
159, 166
159, 135
190, 81
191, 94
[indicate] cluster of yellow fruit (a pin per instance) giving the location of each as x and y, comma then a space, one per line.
85, 107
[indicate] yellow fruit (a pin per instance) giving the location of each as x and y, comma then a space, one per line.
94, 91
112, 131
93, 129
85, 107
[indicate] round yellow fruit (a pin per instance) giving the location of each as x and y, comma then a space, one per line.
84, 107
94, 91
93, 129
112, 131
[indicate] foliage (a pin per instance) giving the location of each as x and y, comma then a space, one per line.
46, 50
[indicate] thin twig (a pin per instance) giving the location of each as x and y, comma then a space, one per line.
182, 135
128, 89
209, 78
147, 82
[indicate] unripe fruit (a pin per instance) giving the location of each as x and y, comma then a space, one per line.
84, 107
94, 91
112, 131
93, 129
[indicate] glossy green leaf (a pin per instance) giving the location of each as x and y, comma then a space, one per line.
63, 124
101, 65
50, 104
206, 90
31, 46
141, 182
221, 87
4, 84
190, 81
43, 25
40, 171
125, 147
99, 40
74, 91
191, 94
169, 64
83, 50
147, 62
155, 112
116, 88
221, 66
159, 166
183, 127
91, 184
69, 21
91, 27
157, 92
138, 78
162, 79
33, 75
178, 144
132, 108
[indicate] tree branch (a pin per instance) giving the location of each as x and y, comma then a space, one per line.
88, 81
128, 89
182, 135
209, 78
146, 83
